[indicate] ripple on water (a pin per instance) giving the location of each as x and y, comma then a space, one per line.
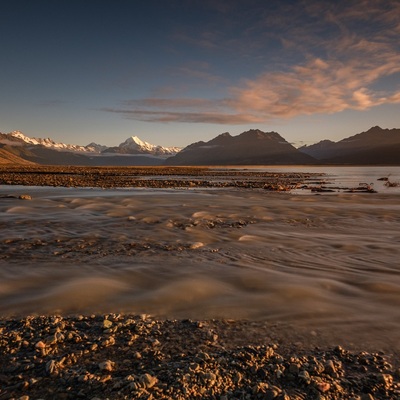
315, 260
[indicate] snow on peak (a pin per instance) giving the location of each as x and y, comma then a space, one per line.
134, 143
26, 139
49, 143
137, 144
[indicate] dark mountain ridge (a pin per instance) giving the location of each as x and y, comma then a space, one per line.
253, 147
375, 146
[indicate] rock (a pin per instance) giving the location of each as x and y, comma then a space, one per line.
209, 378
107, 366
25, 197
330, 367
51, 367
148, 380
294, 369
272, 393
305, 377
107, 324
385, 379
323, 386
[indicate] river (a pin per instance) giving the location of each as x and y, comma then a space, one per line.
327, 265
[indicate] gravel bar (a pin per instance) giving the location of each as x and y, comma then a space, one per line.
151, 177
117, 356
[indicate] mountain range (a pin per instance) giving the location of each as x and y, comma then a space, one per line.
46, 151
375, 146
253, 147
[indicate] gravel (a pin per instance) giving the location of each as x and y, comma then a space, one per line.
151, 177
117, 356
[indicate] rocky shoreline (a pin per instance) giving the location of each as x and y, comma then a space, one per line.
118, 356
121, 356
150, 177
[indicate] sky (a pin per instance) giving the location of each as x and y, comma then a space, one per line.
174, 72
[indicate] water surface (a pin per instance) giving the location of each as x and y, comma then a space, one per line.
326, 264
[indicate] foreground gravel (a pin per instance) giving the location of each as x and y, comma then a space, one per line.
138, 357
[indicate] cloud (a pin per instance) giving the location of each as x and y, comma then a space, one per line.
191, 117
320, 86
174, 103
338, 52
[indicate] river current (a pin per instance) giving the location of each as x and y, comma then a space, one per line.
326, 264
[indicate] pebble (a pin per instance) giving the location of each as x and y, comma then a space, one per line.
148, 380
196, 245
107, 365
323, 386
107, 324
176, 359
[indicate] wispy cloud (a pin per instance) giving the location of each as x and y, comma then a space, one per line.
317, 87
342, 53
192, 117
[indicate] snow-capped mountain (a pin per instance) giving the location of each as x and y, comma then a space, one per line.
51, 144
132, 145
95, 147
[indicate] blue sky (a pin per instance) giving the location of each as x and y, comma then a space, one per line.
174, 72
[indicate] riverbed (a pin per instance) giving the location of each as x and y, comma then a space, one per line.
323, 267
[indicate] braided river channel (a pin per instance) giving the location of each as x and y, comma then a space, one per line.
320, 265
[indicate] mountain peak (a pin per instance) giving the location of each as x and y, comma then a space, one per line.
375, 129
20, 135
134, 145
137, 140
250, 147
257, 134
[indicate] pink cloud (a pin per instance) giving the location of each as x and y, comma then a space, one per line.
319, 86
190, 117
341, 69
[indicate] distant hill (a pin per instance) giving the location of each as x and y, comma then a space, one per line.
7, 157
253, 147
375, 146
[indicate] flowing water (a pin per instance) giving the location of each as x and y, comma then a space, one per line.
330, 263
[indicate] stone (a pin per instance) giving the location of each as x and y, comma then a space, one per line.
25, 197
107, 324
305, 377
330, 367
51, 367
148, 380
107, 366
323, 386
385, 379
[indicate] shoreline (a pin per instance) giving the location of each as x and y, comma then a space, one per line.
118, 356
151, 177
124, 356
